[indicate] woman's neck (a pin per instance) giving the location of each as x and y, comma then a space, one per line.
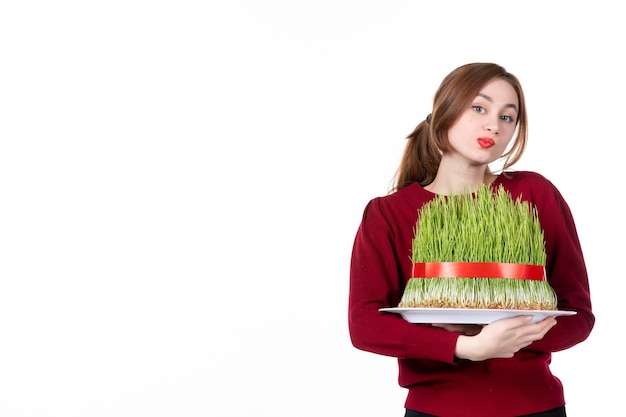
453, 179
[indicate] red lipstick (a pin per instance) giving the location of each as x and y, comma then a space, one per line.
485, 142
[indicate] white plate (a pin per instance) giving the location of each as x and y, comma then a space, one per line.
469, 315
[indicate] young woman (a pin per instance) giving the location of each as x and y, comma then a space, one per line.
496, 370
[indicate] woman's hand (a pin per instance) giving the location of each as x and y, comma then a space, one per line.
502, 338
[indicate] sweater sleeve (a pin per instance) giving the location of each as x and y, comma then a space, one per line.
566, 272
376, 277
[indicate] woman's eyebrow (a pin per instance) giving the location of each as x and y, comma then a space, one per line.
489, 99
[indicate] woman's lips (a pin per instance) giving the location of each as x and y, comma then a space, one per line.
485, 142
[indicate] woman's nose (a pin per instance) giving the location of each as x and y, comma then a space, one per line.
492, 127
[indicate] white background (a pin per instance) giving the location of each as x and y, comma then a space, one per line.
181, 182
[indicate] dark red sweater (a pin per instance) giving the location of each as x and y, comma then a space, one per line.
437, 382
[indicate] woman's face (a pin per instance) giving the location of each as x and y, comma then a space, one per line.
483, 131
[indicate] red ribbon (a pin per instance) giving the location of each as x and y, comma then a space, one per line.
478, 270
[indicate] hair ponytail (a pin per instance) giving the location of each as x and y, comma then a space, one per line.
420, 159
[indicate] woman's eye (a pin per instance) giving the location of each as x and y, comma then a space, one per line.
507, 118
479, 109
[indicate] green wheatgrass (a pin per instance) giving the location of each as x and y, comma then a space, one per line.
484, 226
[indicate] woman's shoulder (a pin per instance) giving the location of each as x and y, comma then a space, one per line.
524, 179
407, 199
516, 176
411, 194
531, 184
